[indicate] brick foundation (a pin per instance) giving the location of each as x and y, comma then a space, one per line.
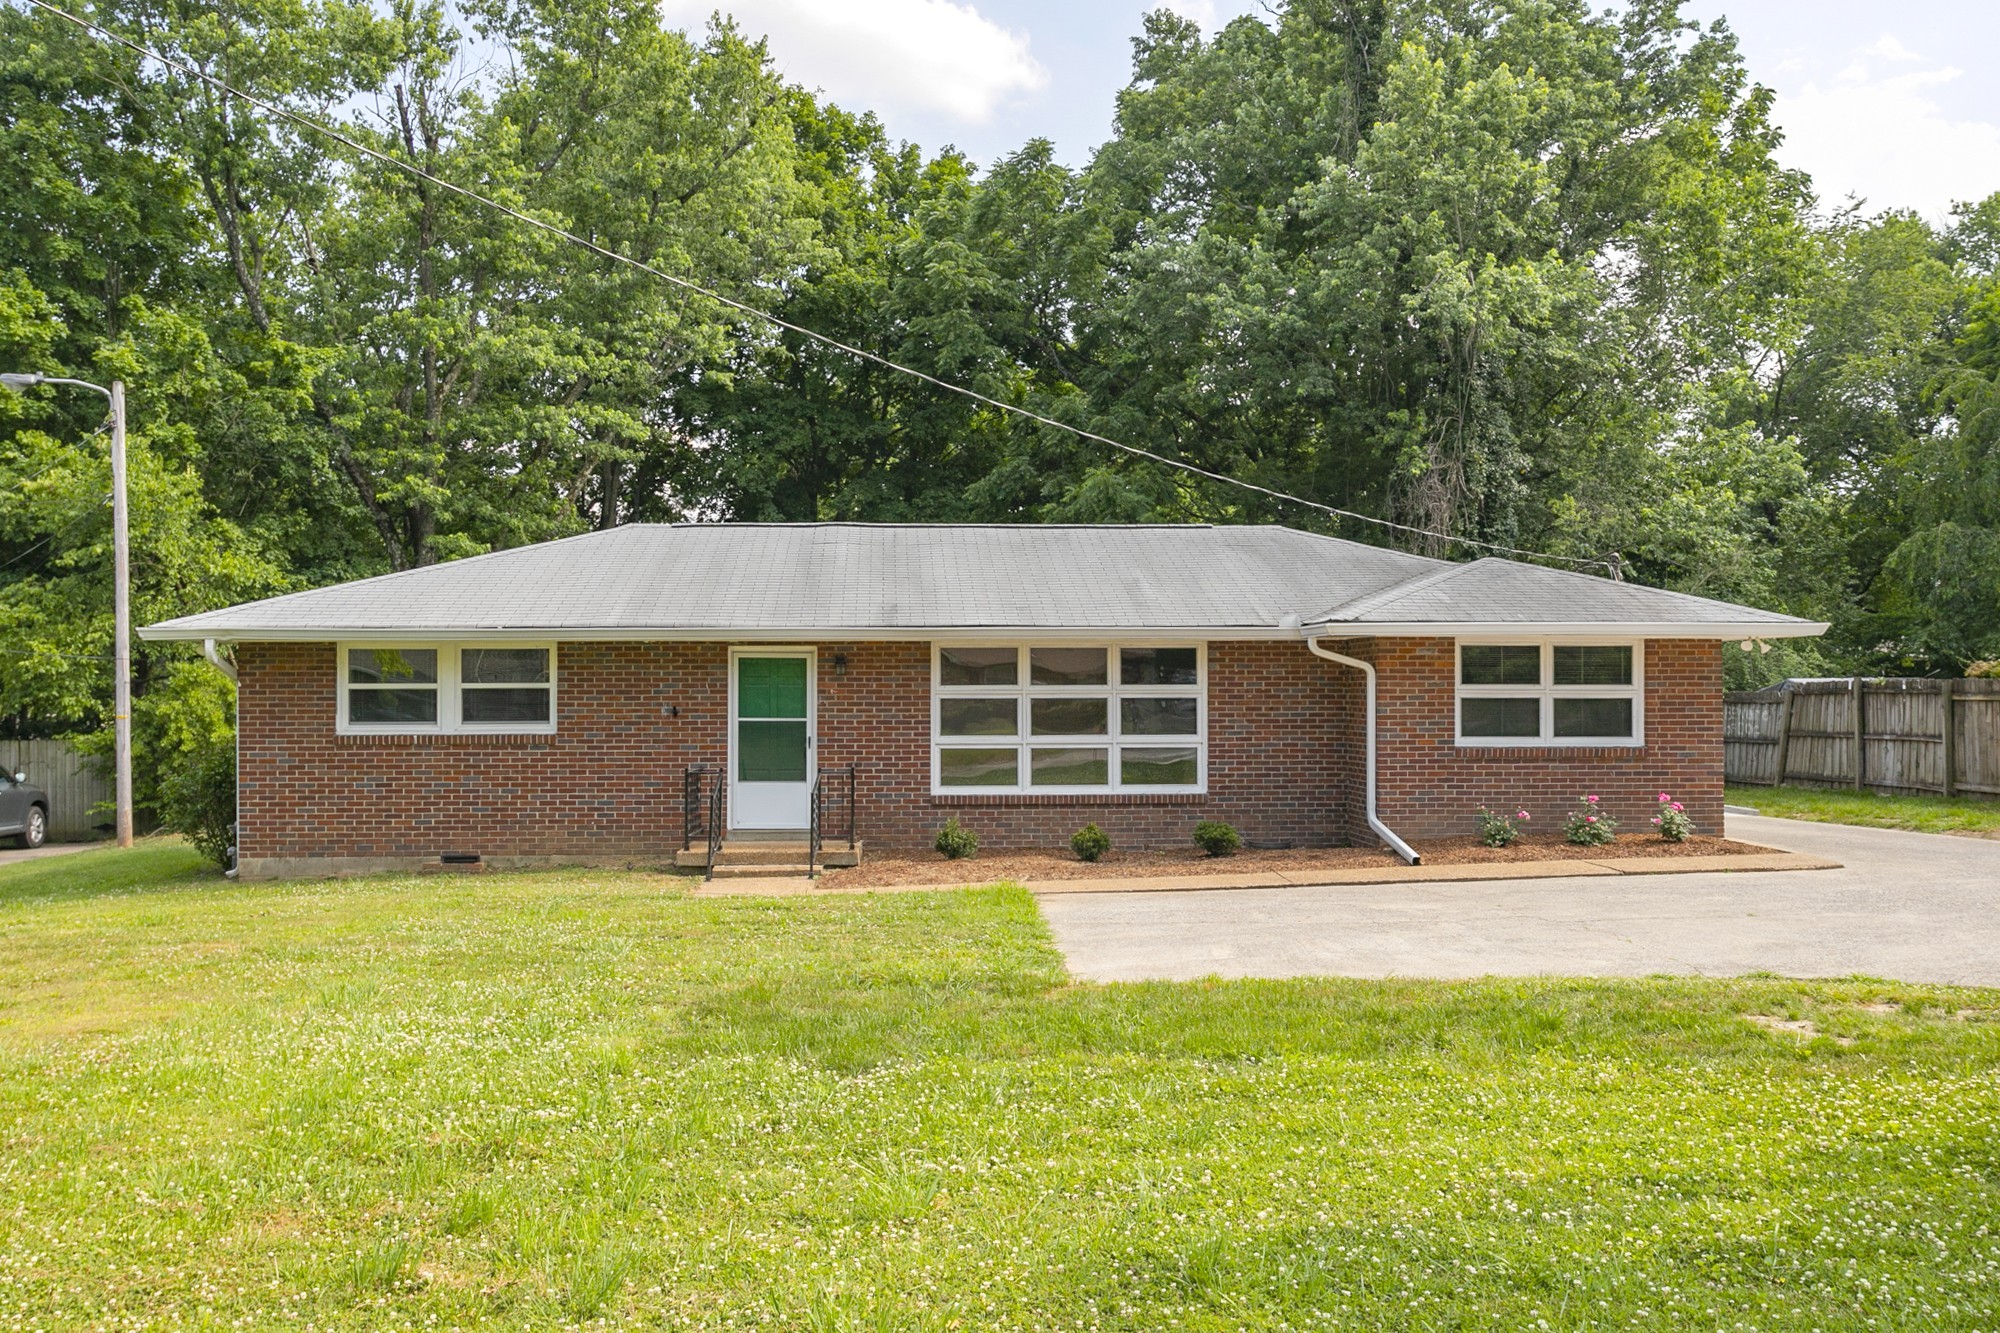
1285, 758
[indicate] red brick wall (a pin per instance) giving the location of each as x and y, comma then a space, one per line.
1285, 757
1429, 787
1275, 768
607, 784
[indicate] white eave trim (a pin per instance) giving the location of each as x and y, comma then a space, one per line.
1429, 629
1541, 629
1023, 633
741, 634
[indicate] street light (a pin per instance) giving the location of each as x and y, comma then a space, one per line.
121, 592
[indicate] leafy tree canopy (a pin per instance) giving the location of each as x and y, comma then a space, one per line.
1514, 271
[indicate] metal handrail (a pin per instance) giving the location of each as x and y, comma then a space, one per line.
816, 834
813, 825
691, 802
850, 807
718, 798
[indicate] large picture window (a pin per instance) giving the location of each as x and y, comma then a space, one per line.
1550, 693
446, 688
1063, 718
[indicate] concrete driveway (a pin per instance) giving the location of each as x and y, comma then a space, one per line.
1913, 907
9, 853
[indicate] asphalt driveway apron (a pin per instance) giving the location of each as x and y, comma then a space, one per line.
1912, 907
9, 853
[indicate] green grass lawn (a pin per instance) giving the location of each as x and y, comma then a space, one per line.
1924, 814
545, 1100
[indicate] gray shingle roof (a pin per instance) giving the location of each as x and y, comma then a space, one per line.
807, 579
1498, 592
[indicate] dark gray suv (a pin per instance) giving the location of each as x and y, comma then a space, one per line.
24, 810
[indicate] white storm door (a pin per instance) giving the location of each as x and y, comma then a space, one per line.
770, 737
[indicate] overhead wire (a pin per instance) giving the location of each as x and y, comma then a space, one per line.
66, 657
60, 462
778, 321
60, 532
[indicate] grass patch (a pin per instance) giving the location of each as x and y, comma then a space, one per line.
546, 1100
1920, 814
152, 864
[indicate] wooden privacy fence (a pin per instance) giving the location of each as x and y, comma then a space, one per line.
79, 800
1889, 735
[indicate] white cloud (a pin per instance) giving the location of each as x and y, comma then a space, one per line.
1882, 134
1889, 48
1201, 11
887, 55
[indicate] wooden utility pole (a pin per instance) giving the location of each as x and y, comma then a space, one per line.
121, 604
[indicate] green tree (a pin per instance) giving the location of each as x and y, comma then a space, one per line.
1446, 263
1941, 583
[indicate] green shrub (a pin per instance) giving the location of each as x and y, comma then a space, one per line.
197, 799
1587, 826
187, 711
956, 841
1216, 838
1090, 842
1498, 830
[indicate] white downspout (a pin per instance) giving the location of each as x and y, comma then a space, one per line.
217, 660
1382, 831
228, 668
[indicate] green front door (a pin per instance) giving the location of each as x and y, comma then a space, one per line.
772, 759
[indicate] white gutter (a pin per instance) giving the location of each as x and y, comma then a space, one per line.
1581, 630
169, 632
1557, 629
1382, 831
217, 660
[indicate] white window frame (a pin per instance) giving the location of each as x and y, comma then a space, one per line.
450, 720
1112, 741
1547, 692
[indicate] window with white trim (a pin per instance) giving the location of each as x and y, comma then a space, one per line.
1549, 692
446, 688
1066, 718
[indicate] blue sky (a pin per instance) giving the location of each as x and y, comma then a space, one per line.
1896, 103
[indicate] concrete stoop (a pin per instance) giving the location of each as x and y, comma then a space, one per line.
765, 857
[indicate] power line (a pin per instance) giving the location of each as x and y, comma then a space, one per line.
778, 321
67, 657
60, 462
62, 531
24, 554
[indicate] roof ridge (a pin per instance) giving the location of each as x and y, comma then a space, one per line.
1350, 542
1356, 607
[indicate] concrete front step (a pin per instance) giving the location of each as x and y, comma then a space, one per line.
761, 853
768, 857
758, 870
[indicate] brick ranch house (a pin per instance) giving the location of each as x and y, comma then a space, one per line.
609, 697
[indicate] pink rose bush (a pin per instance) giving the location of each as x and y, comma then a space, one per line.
1587, 826
1498, 830
1672, 820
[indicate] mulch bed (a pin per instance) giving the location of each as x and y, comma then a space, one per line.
889, 871
1469, 850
